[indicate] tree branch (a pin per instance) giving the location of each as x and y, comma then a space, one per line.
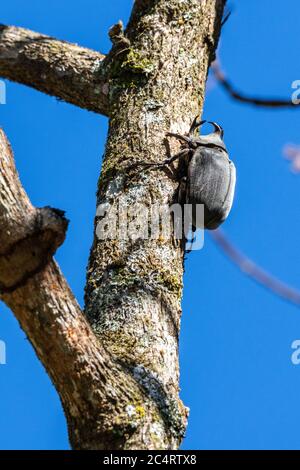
239, 96
119, 384
292, 153
69, 72
254, 271
100, 397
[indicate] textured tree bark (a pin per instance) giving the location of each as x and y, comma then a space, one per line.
134, 288
58, 68
96, 391
116, 369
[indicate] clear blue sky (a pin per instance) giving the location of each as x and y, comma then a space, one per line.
236, 372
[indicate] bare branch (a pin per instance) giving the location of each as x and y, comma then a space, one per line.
95, 390
58, 68
250, 268
240, 96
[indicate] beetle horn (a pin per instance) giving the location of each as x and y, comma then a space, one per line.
218, 129
195, 124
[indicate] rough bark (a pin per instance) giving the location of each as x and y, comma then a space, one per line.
117, 372
134, 288
246, 98
103, 402
58, 68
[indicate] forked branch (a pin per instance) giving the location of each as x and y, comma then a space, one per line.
106, 404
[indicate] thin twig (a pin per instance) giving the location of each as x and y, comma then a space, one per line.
240, 96
254, 271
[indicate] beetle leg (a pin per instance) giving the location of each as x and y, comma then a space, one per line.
191, 242
182, 191
183, 153
195, 124
182, 200
184, 138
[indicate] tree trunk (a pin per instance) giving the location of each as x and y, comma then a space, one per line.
119, 387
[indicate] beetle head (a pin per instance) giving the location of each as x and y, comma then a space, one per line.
214, 139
